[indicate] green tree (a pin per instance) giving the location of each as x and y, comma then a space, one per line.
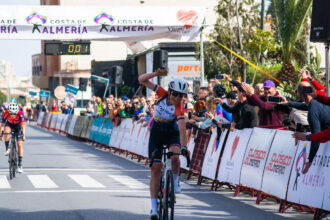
290, 17
262, 42
218, 59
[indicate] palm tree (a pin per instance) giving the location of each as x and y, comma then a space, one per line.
290, 18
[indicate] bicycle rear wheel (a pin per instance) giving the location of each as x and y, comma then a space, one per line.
12, 161
169, 197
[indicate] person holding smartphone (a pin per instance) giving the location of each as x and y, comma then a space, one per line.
267, 115
318, 116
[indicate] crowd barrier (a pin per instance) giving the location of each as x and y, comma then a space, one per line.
264, 160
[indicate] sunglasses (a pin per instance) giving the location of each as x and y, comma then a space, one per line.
176, 94
148, 101
136, 103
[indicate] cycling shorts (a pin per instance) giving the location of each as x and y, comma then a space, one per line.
17, 128
161, 135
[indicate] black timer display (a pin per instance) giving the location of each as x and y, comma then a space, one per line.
67, 48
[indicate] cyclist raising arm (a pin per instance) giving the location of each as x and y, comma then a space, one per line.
168, 128
13, 119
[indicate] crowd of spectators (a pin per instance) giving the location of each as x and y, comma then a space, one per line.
236, 106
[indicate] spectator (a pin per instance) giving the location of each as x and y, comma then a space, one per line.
63, 109
259, 89
153, 95
98, 106
320, 137
54, 105
89, 111
129, 109
137, 109
67, 110
44, 107
267, 115
71, 108
320, 90
119, 111
247, 116
209, 115
318, 116
210, 86
202, 93
104, 109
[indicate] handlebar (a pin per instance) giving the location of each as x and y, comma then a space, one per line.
170, 154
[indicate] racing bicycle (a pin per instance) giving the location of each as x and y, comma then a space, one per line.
13, 155
166, 195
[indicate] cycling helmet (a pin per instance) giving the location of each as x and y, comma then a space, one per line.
178, 85
13, 108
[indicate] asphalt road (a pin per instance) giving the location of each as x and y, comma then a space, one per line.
67, 179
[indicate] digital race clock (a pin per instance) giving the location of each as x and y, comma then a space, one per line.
67, 48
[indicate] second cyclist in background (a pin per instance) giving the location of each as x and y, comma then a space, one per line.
13, 119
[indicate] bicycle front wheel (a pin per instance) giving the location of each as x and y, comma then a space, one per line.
169, 197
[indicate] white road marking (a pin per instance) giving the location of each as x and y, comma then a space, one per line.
99, 190
185, 186
42, 181
129, 181
86, 181
76, 170
4, 184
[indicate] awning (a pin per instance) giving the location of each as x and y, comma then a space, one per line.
99, 23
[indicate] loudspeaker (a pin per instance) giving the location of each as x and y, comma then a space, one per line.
117, 75
83, 84
320, 27
160, 59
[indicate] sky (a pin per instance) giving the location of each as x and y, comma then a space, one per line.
19, 52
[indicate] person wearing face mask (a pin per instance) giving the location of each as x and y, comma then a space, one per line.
267, 115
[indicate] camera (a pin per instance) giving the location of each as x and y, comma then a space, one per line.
220, 76
275, 99
219, 90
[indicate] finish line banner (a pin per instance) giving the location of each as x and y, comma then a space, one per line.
99, 23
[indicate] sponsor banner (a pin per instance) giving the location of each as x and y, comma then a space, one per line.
42, 93
49, 119
92, 23
40, 118
59, 121
53, 122
326, 199
63, 125
143, 141
233, 155
211, 159
114, 136
72, 124
279, 163
127, 135
255, 157
190, 147
134, 137
310, 188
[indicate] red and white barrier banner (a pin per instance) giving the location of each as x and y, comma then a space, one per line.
72, 124
136, 132
190, 147
143, 141
114, 136
59, 121
232, 158
255, 157
127, 126
310, 188
53, 122
40, 118
48, 119
65, 119
211, 159
279, 163
326, 164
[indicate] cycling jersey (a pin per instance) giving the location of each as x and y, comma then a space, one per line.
17, 120
164, 112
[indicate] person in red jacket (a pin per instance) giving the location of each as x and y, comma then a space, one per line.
320, 90
321, 137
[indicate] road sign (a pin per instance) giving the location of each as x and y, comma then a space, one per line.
71, 89
59, 92
44, 94
32, 93
100, 79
